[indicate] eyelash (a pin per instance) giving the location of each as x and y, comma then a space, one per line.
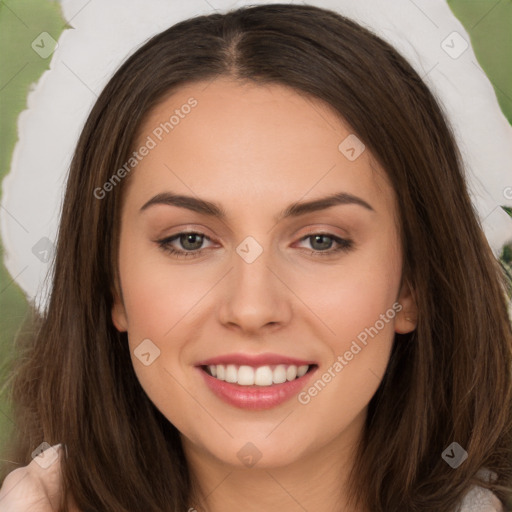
344, 245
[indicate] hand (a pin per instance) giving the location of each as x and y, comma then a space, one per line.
36, 487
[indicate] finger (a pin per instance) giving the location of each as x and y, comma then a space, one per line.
36, 487
11, 483
46, 468
20, 492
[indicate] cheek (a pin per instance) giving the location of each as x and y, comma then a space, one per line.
360, 293
157, 298
361, 316
156, 294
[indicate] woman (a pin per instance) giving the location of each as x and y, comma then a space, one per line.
270, 292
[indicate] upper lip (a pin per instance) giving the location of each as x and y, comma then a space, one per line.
254, 360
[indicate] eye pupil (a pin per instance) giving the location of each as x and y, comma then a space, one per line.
324, 245
191, 238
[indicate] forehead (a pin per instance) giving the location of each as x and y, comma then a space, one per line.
232, 140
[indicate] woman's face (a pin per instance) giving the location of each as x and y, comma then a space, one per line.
276, 279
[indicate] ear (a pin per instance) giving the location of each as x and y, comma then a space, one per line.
119, 318
407, 318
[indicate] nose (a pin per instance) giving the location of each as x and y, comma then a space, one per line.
255, 298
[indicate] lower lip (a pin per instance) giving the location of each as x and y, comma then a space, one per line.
255, 397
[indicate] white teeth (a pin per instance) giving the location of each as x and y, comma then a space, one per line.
291, 372
231, 373
301, 370
279, 374
245, 376
261, 376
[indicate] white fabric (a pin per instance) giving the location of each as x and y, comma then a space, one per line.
479, 499
105, 33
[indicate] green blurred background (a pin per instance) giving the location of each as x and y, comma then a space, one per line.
489, 23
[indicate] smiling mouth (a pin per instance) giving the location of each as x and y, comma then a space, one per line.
264, 376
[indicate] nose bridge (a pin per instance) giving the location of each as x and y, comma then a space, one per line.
254, 296
251, 275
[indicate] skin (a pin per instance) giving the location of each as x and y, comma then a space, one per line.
254, 150
36, 487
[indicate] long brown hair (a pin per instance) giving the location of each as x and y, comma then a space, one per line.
449, 380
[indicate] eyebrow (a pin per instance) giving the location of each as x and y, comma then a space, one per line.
293, 210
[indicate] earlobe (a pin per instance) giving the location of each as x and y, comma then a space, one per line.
407, 318
119, 316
